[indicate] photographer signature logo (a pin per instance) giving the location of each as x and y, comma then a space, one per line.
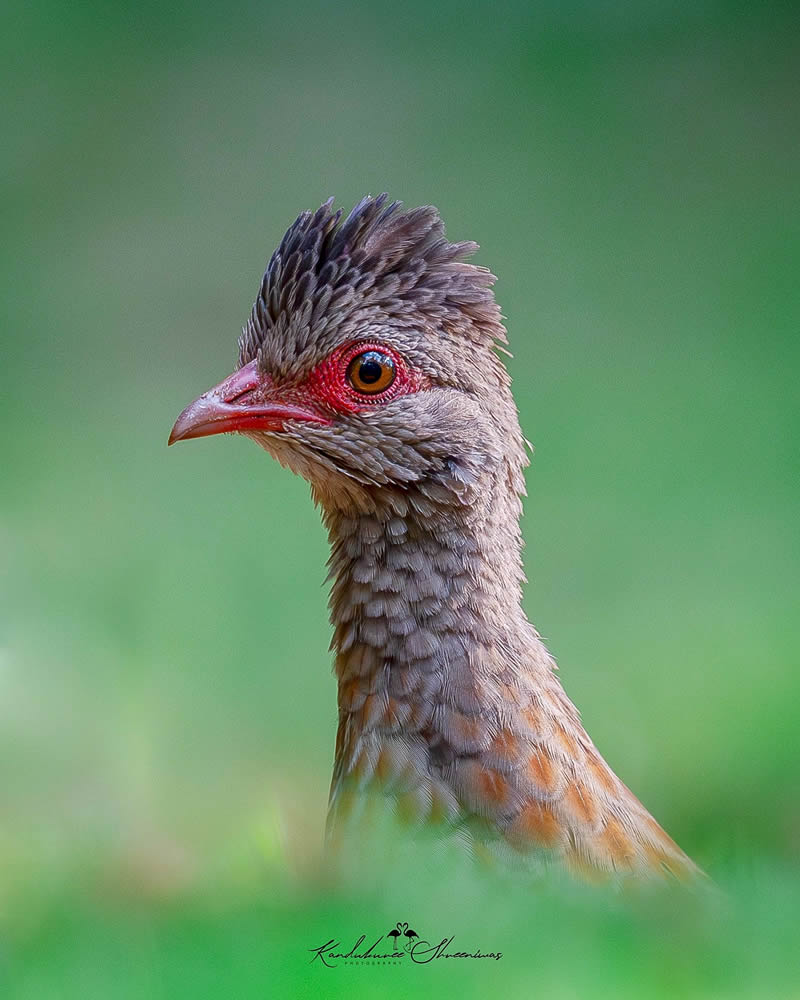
399, 946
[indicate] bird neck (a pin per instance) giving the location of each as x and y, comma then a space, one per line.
422, 593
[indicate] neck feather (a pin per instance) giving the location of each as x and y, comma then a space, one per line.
448, 700
425, 595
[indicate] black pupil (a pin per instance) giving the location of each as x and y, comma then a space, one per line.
370, 370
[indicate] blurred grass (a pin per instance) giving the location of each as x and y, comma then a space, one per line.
166, 708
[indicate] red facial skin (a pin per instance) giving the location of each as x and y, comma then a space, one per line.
249, 400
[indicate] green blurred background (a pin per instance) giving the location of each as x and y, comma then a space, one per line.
167, 710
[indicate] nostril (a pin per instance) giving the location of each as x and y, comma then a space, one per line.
239, 396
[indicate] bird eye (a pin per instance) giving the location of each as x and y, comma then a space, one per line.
371, 372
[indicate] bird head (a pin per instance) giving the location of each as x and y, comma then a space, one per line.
368, 364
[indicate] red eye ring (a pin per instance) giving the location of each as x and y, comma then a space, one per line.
340, 384
396, 376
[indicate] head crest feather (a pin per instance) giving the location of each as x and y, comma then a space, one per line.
330, 272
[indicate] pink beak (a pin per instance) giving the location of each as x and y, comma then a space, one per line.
235, 405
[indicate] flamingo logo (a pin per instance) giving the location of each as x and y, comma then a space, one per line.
401, 929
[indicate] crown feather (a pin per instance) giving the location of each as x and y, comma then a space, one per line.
327, 272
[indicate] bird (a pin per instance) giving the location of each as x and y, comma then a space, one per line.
372, 365
395, 933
